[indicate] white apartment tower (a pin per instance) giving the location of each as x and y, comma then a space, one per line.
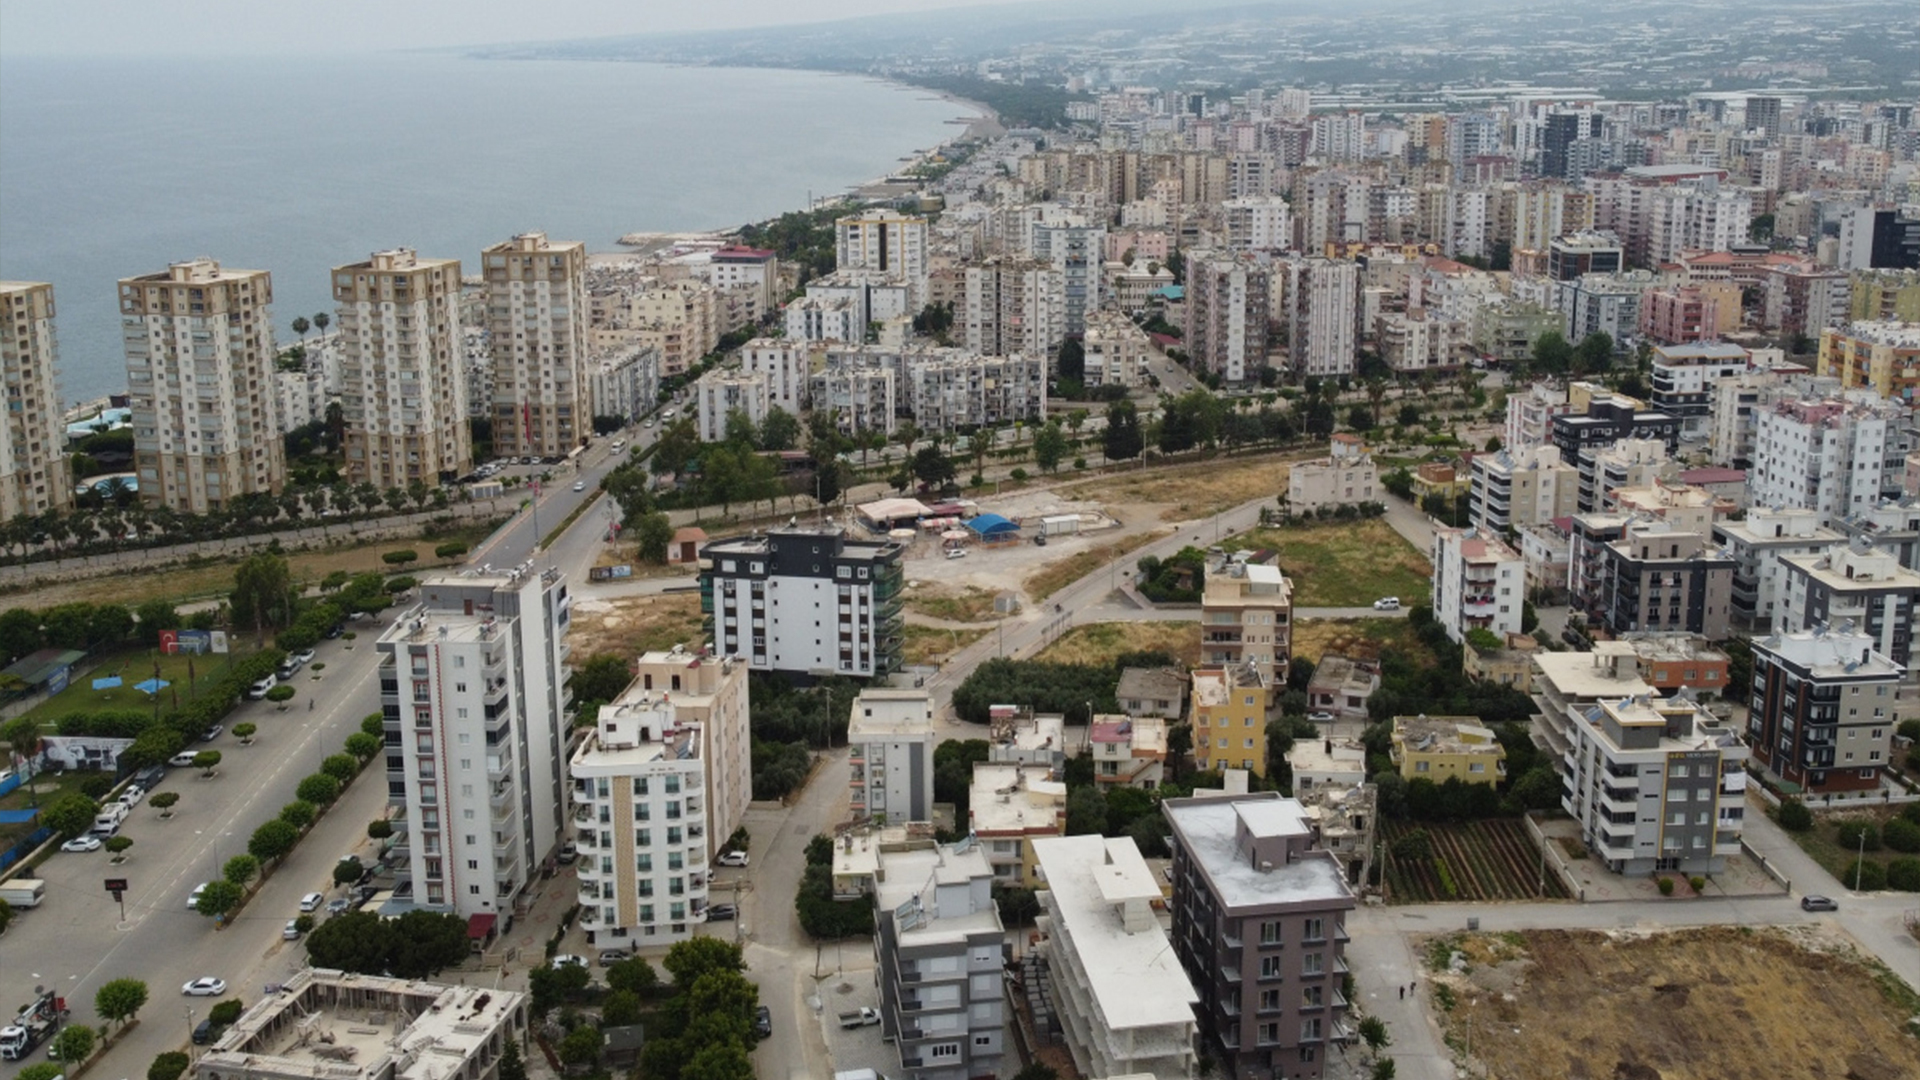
653, 798
722, 393
537, 323
1014, 306
887, 242
33, 462
403, 372
1835, 457
891, 738
200, 376
1479, 583
1321, 298
784, 366
472, 692
1258, 223
1227, 316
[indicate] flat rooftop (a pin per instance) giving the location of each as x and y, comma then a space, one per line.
1009, 797
911, 876
1592, 675
1208, 828
1137, 981
331, 1025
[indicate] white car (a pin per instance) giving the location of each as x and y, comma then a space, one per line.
205, 987
292, 932
131, 797
193, 899
579, 485
259, 690
569, 960
957, 553
82, 843
312, 901
181, 760
304, 656
732, 858
1387, 603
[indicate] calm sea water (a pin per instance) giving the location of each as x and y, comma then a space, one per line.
110, 168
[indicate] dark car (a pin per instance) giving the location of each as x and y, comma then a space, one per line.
334, 631
149, 778
202, 1033
763, 1022
1818, 903
721, 912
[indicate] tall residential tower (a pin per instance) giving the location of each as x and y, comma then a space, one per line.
537, 326
402, 369
33, 464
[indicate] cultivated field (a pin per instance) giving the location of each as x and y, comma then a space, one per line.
1345, 564
1493, 859
1718, 1003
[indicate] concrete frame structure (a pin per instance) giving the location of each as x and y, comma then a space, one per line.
1345, 477
1757, 545
1479, 583
819, 573
890, 739
1229, 706
1824, 708
1246, 617
940, 950
1443, 747
1855, 583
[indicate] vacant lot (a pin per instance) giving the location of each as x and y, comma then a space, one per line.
1823, 840
1194, 491
214, 577
1493, 859
934, 644
1059, 575
970, 603
1708, 1004
631, 625
1345, 564
1367, 639
1099, 643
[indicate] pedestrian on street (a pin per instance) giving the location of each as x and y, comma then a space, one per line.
1410, 987
1403, 993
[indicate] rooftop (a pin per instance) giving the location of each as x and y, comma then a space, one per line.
910, 882
1135, 977
1209, 826
1833, 654
1016, 798
1167, 683
1610, 670
879, 714
330, 1025
1445, 735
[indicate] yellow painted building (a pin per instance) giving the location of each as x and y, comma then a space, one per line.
1229, 714
1880, 356
1437, 747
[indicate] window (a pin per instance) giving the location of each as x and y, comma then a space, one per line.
1269, 967
943, 1050
1269, 1034
1312, 997
1313, 963
983, 1040
1477, 767
1310, 1029
1270, 933
1314, 929
1419, 766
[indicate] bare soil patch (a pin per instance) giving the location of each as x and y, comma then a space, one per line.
1704, 1004
630, 625
1187, 492
1099, 643
1365, 639
935, 644
969, 603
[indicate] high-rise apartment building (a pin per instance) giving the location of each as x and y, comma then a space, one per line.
1824, 707
885, 241
1519, 490
1321, 312
1854, 583
1228, 707
1014, 306
1075, 250
1258, 223
1575, 255
200, 381
1246, 617
33, 460
1757, 544
472, 690
891, 738
805, 602
657, 789
1227, 314
724, 392
403, 372
1833, 456
941, 955
1479, 583
1259, 924
1880, 356
537, 323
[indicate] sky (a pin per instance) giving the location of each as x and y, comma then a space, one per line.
205, 27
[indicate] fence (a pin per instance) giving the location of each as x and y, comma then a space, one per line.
1784, 881
1554, 855
25, 847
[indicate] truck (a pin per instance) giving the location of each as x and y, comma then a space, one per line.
23, 892
36, 1023
860, 1017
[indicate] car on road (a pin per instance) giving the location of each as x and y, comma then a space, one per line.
292, 931
579, 485
206, 986
1387, 603
334, 631
131, 797
340, 906
181, 760
193, 898
569, 851
203, 1033
1818, 903
82, 843
1321, 717
259, 690
763, 1022
1039, 539
732, 858
569, 960
610, 957
212, 733
721, 912
312, 901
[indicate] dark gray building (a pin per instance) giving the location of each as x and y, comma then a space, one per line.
1259, 924
805, 602
941, 953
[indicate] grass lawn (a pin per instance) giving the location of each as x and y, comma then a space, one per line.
135, 666
1099, 643
1345, 564
1823, 840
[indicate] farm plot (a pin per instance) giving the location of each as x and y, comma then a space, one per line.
1473, 860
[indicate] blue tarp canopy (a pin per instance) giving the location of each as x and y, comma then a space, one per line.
107, 683
989, 526
151, 686
17, 817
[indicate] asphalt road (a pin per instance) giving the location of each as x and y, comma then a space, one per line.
77, 940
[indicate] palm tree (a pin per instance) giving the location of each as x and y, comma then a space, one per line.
300, 326
1376, 393
320, 321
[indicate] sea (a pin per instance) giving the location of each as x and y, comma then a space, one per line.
112, 167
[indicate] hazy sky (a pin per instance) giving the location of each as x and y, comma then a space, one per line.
288, 26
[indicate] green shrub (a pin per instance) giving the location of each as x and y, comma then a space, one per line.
1794, 815
1901, 835
1666, 885
1699, 883
168, 1066
1904, 874
1864, 875
1858, 834
280, 693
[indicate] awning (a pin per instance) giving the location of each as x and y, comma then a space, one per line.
480, 927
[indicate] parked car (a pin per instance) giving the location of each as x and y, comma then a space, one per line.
579, 485
131, 797
1387, 603
721, 912
1321, 717
732, 858
259, 690
334, 631
312, 901
610, 957
203, 1033
956, 553
569, 851
288, 669
340, 906
569, 960
864, 1016
181, 760
212, 733
205, 986
1818, 903
763, 1022
82, 843
304, 656
292, 931
193, 898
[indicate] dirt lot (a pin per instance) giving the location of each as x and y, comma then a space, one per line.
990, 570
631, 625
1357, 638
968, 603
1187, 492
1711, 1004
1099, 643
934, 644
1345, 564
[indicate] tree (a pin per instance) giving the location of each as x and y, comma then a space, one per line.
633, 975
164, 802
206, 761
301, 325
780, 430
1039, 1070
1086, 811
41, 1070
1373, 1031
718, 1061
1123, 440
318, 789
620, 1009
246, 732
341, 767
1551, 353
117, 846
241, 869
688, 960
74, 1044
218, 899
70, 814
600, 679
1594, 353
426, 943
357, 941
1384, 1069
362, 745
1050, 446
512, 1065
1794, 815
932, 467
169, 1066
299, 813
374, 724
118, 1000
1415, 846
262, 593
348, 870
654, 534
1071, 364
379, 829
581, 1048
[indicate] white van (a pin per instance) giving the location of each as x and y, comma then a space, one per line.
107, 821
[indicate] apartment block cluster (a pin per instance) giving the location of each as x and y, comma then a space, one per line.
1256, 895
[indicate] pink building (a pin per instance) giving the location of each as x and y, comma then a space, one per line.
1679, 315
